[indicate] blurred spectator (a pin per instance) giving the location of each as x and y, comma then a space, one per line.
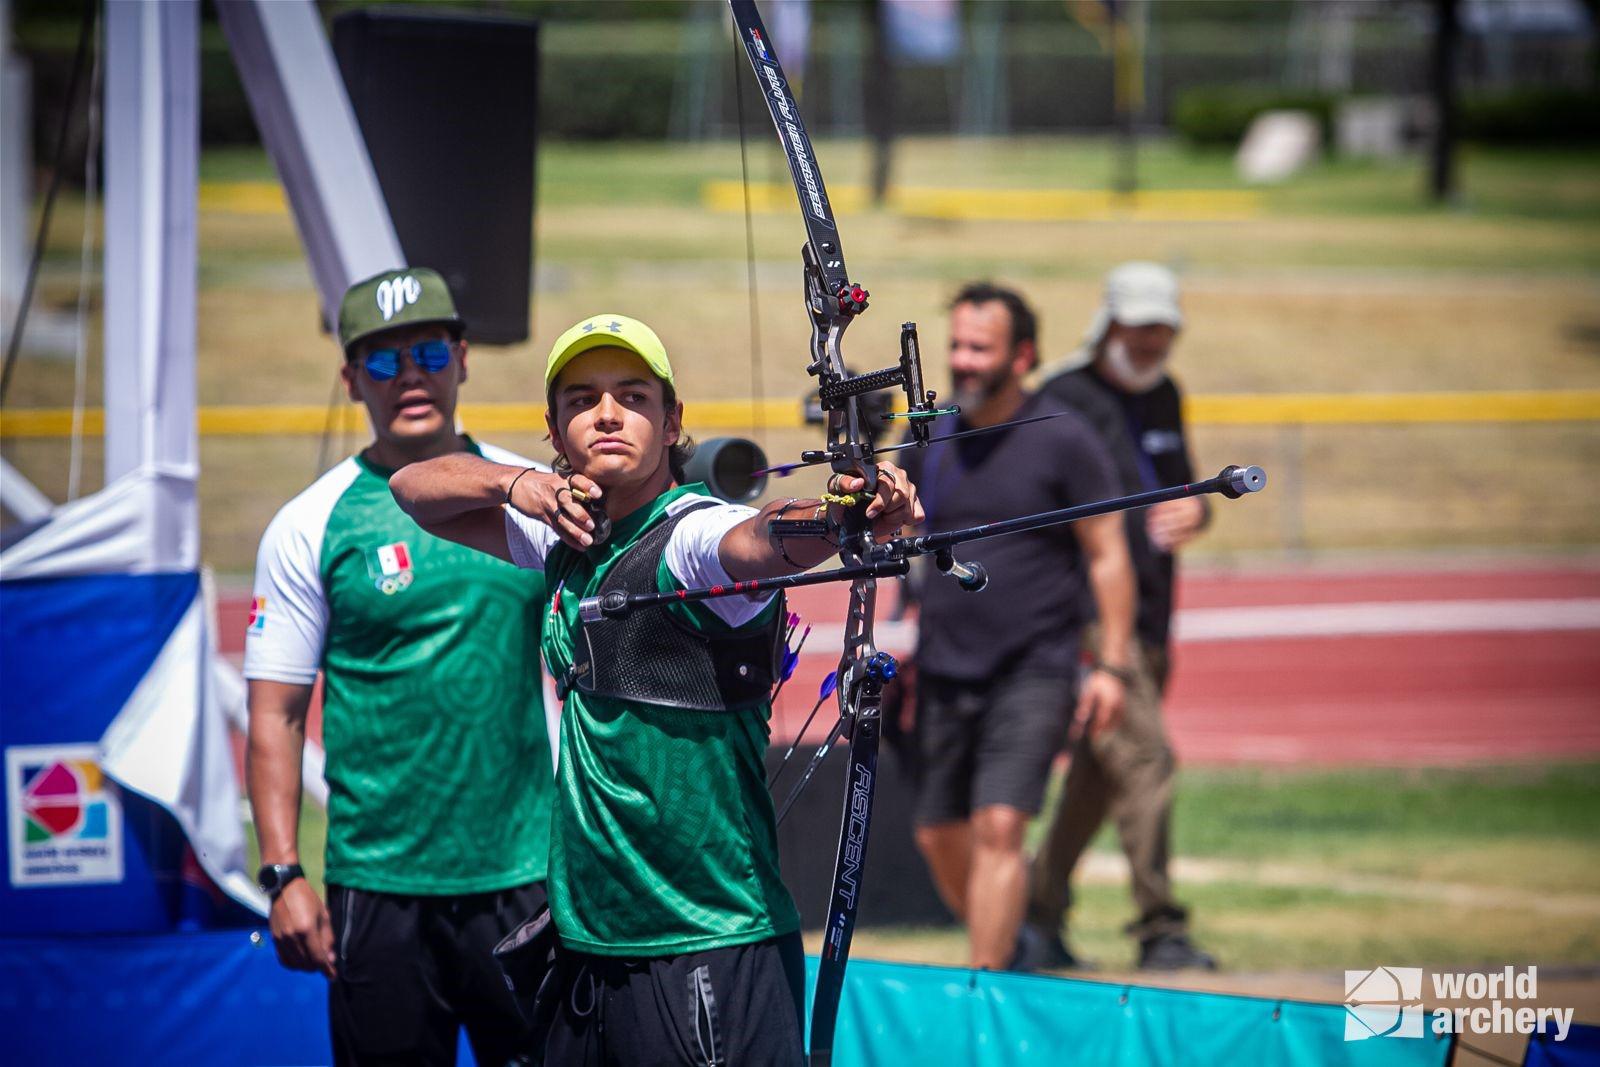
997, 672
1119, 382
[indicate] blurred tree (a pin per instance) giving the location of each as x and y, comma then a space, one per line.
1446, 46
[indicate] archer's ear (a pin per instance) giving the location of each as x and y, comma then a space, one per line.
674, 424
555, 431
461, 354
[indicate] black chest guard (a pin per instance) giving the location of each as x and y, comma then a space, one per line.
654, 658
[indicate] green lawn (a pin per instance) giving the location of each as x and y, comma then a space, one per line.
1345, 281
1319, 870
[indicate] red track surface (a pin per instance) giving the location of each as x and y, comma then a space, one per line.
1402, 698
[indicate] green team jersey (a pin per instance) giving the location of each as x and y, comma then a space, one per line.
438, 758
664, 839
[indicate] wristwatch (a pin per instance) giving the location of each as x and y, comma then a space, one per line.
272, 877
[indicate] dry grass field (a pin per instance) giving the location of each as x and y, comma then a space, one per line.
1340, 281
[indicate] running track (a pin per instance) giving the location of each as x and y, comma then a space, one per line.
1438, 667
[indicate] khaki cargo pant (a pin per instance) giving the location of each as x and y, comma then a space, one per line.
1127, 774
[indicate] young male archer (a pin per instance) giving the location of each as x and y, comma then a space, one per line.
664, 879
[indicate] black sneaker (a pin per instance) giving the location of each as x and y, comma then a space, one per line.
1039, 949
1173, 952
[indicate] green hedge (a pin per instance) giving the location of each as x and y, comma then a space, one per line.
1532, 116
1215, 116
1218, 116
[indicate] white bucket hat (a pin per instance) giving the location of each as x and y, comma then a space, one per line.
1137, 294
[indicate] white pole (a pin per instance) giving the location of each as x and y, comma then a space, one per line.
152, 181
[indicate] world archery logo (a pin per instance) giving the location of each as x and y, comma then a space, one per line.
389, 566
1383, 1002
65, 818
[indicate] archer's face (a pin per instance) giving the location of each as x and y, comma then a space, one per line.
414, 405
982, 358
610, 418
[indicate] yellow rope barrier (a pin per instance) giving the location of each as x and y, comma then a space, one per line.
1217, 409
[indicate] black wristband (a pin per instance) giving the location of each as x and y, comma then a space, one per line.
514, 482
1124, 675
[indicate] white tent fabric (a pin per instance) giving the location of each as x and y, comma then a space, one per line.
139, 524
169, 743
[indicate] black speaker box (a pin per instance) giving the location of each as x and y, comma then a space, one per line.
896, 887
447, 105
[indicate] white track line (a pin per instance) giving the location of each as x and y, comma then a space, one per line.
1375, 618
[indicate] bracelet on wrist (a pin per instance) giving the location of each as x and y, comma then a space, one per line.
512, 487
1124, 675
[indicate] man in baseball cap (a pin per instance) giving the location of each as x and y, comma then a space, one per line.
1136, 324
440, 783
1119, 382
664, 875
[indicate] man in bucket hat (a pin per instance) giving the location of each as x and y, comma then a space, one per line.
1119, 382
438, 763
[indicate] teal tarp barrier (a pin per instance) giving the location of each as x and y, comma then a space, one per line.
939, 1016
217, 999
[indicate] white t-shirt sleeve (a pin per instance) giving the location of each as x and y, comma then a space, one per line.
289, 617
529, 540
692, 555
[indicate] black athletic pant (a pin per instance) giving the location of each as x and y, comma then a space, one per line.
727, 1007
413, 970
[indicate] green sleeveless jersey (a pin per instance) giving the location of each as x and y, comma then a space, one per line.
664, 839
438, 758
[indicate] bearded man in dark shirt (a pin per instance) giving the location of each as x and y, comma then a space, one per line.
1119, 383
998, 672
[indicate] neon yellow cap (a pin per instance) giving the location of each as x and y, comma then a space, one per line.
600, 331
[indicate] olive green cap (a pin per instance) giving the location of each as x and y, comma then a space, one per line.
404, 297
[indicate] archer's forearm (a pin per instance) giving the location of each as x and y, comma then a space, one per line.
438, 490
750, 551
277, 740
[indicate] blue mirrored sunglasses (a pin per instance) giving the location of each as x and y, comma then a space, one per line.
384, 363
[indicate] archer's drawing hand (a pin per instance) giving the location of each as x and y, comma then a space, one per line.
301, 931
552, 499
895, 505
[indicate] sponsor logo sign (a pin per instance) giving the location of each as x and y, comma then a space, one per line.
65, 818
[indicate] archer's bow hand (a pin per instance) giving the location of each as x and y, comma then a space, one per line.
893, 506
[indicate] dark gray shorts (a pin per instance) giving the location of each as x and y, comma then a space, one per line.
989, 742
743, 1004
